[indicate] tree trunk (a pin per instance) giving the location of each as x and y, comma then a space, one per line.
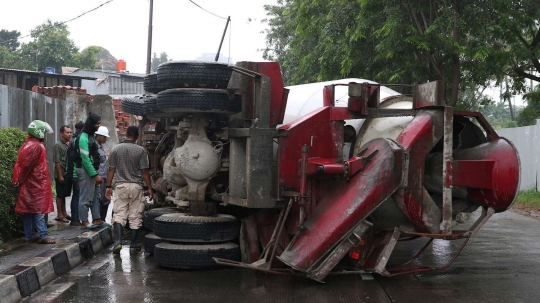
507, 95
455, 59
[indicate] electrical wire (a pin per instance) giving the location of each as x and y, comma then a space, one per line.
205, 9
64, 22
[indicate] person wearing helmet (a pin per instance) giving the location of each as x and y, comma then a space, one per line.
101, 137
31, 176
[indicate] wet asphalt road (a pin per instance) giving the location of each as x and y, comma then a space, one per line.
500, 264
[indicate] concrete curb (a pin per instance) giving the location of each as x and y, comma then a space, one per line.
9, 290
26, 278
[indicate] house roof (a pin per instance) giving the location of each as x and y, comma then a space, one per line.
43, 74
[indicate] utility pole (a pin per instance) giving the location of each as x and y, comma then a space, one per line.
37, 53
222, 37
149, 51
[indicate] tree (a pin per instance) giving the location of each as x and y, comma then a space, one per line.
105, 60
10, 39
532, 111
53, 43
517, 26
7, 58
388, 41
86, 58
156, 61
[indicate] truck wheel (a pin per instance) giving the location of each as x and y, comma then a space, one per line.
150, 240
150, 106
152, 85
193, 256
150, 215
192, 74
198, 100
186, 228
133, 105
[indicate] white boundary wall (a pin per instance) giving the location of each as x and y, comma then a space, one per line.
526, 140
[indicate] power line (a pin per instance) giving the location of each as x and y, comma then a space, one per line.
206, 10
61, 23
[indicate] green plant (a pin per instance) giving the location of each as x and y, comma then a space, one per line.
529, 197
10, 223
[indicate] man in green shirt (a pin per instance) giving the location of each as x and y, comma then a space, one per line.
62, 178
86, 170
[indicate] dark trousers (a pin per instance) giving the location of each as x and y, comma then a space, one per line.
103, 201
75, 203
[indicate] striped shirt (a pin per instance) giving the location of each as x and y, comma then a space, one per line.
128, 159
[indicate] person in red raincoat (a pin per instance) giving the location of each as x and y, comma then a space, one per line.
31, 176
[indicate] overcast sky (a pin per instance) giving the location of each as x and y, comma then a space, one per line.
180, 28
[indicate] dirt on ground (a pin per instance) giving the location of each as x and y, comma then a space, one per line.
526, 210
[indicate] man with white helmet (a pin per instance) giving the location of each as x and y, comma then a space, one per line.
31, 176
101, 137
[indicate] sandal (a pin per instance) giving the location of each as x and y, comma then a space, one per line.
31, 240
65, 220
68, 217
89, 226
46, 240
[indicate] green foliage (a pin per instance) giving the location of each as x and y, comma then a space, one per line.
104, 60
10, 39
529, 198
156, 61
7, 57
498, 115
532, 111
465, 44
50, 47
10, 223
87, 58
52, 41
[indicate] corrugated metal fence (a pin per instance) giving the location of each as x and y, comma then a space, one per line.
526, 141
20, 107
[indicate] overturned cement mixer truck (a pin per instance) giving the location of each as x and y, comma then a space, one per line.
314, 178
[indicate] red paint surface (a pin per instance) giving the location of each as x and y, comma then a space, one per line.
278, 92
503, 177
417, 139
327, 143
347, 204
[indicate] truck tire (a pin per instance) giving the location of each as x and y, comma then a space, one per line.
152, 85
196, 229
198, 100
150, 240
194, 256
133, 106
193, 74
150, 215
150, 106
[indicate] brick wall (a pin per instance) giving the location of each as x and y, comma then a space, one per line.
59, 92
122, 118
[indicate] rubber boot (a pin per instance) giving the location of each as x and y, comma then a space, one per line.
117, 238
134, 247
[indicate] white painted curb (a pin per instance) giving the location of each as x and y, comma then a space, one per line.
9, 289
44, 268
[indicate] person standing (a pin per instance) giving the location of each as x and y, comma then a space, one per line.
31, 176
130, 163
86, 168
101, 137
62, 178
75, 221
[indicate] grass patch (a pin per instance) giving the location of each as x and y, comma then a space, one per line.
529, 198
